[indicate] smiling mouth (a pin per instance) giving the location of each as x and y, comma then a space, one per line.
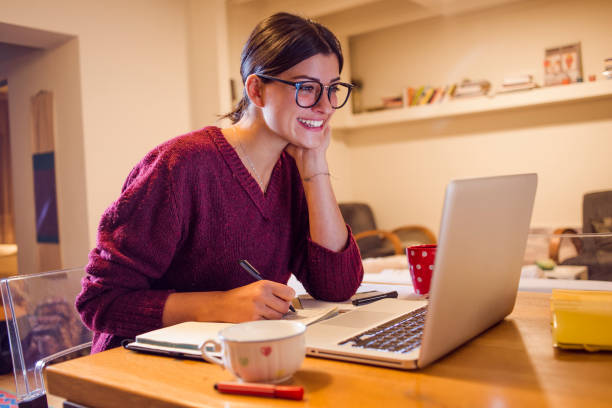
311, 123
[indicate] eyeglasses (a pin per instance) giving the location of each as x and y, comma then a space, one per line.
308, 93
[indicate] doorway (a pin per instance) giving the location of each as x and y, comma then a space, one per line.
33, 61
8, 246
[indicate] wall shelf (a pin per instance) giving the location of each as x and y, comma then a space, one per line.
515, 100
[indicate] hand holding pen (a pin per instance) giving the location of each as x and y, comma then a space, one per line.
255, 274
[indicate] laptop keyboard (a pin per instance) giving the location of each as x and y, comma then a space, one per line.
399, 335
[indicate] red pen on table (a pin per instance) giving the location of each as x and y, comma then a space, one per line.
261, 390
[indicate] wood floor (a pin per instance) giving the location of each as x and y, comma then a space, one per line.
7, 383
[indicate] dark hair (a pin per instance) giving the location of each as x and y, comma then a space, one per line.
278, 43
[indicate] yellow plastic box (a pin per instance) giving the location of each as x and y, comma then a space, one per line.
582, 319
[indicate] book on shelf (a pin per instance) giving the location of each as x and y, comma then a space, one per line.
472, 88
439, 95
517, 80
436, 95
417, 96
513, 83
374, 108
426, 96
446, 93
393, 102
409, 96
514, 88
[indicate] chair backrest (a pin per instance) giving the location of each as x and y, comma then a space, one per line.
43, 326
595, 208
360, 218
597, 218
415, 235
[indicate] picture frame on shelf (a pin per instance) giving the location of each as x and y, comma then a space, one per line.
563, 65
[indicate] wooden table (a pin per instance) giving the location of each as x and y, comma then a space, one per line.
513, 364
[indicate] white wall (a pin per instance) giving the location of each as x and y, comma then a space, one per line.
208, 62
402, 169
134, 71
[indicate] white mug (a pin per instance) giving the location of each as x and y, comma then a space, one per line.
260, 351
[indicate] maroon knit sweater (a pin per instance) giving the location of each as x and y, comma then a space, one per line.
186, 214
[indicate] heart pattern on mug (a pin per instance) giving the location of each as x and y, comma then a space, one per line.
244, 361
266, 350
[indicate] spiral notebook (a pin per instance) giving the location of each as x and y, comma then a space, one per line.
185, 339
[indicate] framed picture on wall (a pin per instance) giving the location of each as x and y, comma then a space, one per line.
45, 199
562, 65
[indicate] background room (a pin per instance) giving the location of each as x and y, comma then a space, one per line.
125, 77
446, 89
529, 115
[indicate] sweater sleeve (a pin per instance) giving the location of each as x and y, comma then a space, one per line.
332, 276
325, 274
137, 238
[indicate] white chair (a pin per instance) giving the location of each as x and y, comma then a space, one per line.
43, 327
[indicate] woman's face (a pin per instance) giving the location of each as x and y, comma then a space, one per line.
303, 127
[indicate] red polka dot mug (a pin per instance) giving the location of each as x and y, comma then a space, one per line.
421, 264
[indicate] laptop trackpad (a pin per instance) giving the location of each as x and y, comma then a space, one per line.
357, 319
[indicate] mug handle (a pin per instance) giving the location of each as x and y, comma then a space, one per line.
209, 357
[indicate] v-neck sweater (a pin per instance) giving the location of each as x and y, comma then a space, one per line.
186, 214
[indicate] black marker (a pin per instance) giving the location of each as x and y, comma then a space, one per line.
253, 272
374, 298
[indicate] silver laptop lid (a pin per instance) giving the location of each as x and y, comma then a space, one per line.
481, 243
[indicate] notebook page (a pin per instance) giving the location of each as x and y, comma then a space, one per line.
309, 316
187, 335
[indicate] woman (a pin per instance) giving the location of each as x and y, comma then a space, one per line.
168, 248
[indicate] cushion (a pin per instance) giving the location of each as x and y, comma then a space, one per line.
603, 226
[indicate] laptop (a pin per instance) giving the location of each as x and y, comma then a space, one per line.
482, 239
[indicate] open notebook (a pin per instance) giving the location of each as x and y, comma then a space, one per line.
185, 339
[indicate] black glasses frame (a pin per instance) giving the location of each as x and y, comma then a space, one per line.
299, 84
